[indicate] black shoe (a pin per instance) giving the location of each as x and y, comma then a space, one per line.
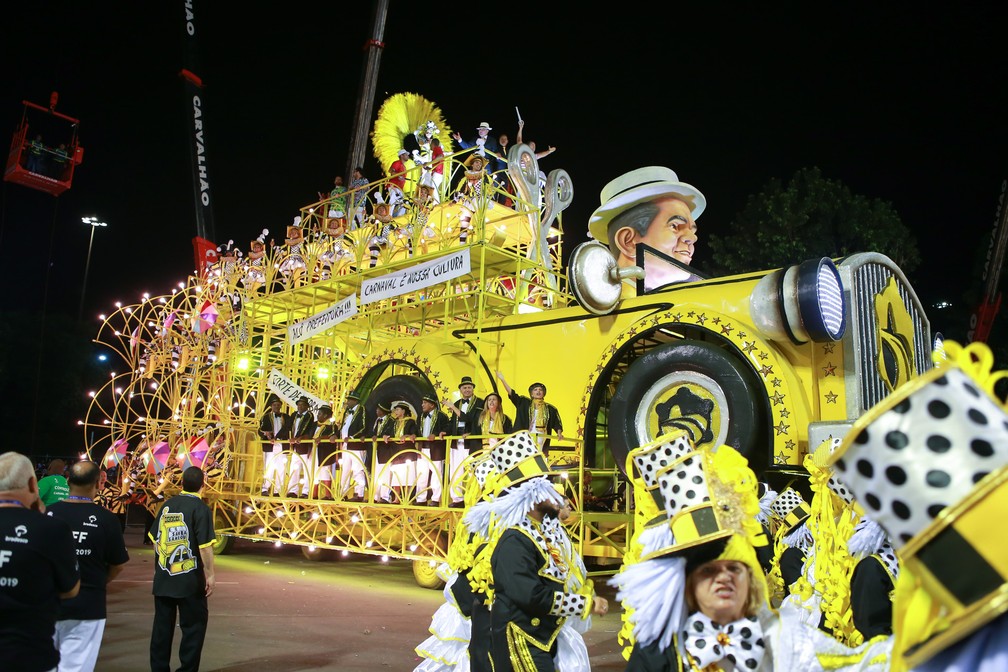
457, 505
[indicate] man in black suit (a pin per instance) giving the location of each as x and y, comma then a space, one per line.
274, 427
353, 459
432, 426
383, 426
466, 411
302, 431
483, 142
326, 431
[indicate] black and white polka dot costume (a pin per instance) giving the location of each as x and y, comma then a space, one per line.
929, 465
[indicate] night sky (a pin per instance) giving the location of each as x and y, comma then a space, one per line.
904, 103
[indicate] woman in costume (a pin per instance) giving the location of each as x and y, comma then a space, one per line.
698, 594
471, 195
493, 420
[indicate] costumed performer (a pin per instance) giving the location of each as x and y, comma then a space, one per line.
930, 465
538, 584
451, 645
698, 593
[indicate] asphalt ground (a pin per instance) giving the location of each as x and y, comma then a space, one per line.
273, 610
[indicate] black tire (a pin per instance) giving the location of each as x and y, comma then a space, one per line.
694, 386
223, 544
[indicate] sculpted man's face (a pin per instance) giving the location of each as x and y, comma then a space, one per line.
672, 232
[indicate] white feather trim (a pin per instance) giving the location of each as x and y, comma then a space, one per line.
867, 539
764, 506
655, 538
800, 538
512, 508
478, 517
655, 590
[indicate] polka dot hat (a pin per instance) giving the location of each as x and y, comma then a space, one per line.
517, 458
923, 449
930, 465
650, 459
789, 509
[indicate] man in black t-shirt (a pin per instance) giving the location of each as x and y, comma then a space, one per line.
101, 554
183, 574
38, 567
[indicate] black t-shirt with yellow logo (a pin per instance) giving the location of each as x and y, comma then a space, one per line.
182, 526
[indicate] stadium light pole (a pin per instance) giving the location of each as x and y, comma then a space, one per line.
94, 223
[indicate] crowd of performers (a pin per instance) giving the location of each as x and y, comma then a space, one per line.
886, 558
364, 227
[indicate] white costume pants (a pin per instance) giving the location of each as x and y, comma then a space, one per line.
287, 472
78, 643
395, 476
351, 467
429, 474
458, 455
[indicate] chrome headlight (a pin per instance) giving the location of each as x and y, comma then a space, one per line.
802, 303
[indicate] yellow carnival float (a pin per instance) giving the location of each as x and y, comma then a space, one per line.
465, 276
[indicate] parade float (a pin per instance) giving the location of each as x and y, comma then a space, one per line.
773, 363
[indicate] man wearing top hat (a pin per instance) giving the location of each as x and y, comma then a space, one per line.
466, 413
326, 431
432, 426
274, 427
302, 431
534, 413
353, 459
650, 206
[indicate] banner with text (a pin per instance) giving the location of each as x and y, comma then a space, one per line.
423, 275
316, 324
289, 391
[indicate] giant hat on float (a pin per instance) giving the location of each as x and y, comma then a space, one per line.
636, 187
929, 463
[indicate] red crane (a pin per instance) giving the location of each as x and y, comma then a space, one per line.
982, 318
